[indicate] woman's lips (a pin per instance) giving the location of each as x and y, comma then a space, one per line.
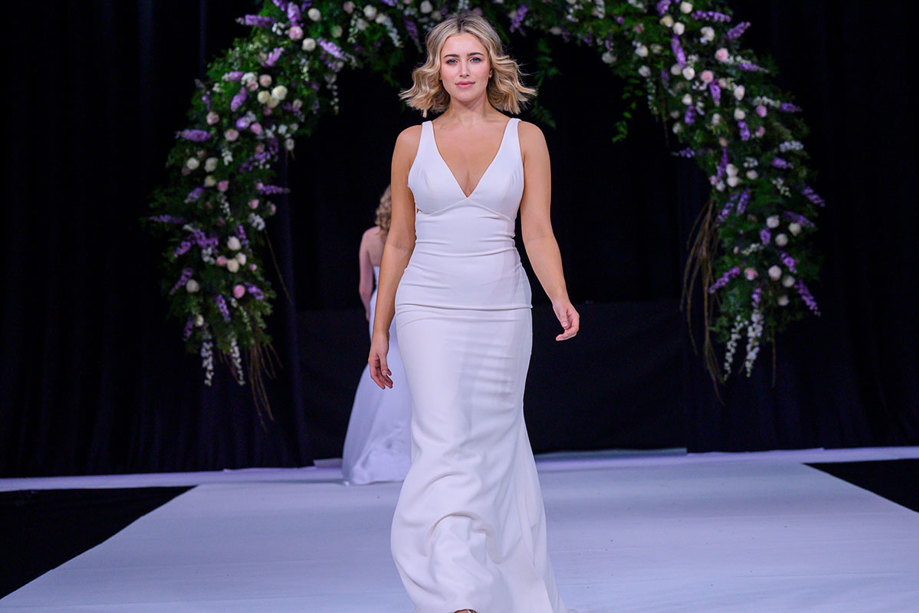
467, 84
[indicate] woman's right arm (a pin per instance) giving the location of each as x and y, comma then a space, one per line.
400, 242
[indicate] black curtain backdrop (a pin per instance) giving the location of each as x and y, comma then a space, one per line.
94, 377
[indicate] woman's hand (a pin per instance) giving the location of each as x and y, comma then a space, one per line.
568, 317
379, 371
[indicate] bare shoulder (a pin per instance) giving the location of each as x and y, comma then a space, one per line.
408, 139
371, 232
532, 140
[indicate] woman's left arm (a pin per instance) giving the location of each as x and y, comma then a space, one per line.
536, 227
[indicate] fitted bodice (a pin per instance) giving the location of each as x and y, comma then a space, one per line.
464, 254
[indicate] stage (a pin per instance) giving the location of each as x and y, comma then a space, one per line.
628, 531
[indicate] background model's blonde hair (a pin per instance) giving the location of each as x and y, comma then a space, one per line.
384, 212
505, 90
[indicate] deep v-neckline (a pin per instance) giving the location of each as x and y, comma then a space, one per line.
484, 174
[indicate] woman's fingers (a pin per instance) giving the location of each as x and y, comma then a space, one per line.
570, 321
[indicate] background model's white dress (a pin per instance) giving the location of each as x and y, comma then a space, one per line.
378, 441
469, 530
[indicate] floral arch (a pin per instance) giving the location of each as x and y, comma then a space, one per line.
752, 252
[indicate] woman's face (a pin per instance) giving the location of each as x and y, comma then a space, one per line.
464, 67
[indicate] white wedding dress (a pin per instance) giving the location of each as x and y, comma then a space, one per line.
469, 529
378, 441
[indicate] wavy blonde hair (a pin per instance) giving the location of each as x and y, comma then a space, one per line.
505, 90
384, 212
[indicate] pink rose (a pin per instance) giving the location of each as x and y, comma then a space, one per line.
761, 110
721, 55
223, 185
253, 204
212, 118
221, 261
253, 267
256, 128
252, 85
266, 110
760, 131
239, 291
750, 274
231, 135
707, 76
295, 33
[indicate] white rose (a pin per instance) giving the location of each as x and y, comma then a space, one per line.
733, 181
677, 128
249, 77
708, 33
232, 265
370, 12
644, 71
199, 320
685, 7
675, 113
289, 144
667, 21
233, 243
739, 92
348, 7
309, 44
425, 7
687, 99
772, 221
679, 28
716, 119
210, 164
781, 240
360, 24
641, 51
263, 97
273, 101
794, 228
265, 80
241, 258
655, 48
607, 57
775, 273
783, 300
210, 181
731, 170
739, 114
314, 14
336, 31
788, 281
279, 92
689, 73
192, 163
192, 286
752, 174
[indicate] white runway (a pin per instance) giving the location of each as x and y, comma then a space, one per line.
627, 532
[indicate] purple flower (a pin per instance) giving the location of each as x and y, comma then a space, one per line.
727, 276
788, 261
197, 136
331, 48
690, 115
744, 130
799, 219
735, 32
235, 75
189, 325
273, 56
686, 153
780, 163
678, 51
242, 123
270, 189
724, 162
662, 6
194, 194
183, 279
241, 234
167, 219
742, 203
412, 30
715, 91
257, 21
807, 297
811, 195
517, 21
750, 67
711, 16
765, 236
255, 291
183, 248
222, 307
757, 294
788, 107
293, 13
238, 99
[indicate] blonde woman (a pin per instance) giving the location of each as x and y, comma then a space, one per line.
469, 529
378, 442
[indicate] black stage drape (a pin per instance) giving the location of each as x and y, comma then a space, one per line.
94, 378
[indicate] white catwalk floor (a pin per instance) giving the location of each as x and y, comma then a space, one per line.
627, 532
